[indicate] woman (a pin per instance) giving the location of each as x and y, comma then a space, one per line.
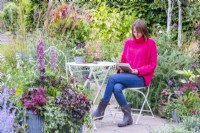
141, 53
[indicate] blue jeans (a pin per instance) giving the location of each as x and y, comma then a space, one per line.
118, 82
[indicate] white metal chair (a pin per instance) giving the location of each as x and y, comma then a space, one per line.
61, 60
145, 96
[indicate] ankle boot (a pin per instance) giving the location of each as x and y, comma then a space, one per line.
127, 120
100, 110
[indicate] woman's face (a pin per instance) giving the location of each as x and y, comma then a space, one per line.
136, 34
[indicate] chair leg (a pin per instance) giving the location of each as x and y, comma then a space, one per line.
140, 112
150, 108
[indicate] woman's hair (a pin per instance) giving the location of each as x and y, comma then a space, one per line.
140, 26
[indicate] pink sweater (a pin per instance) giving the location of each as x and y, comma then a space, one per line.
141, 55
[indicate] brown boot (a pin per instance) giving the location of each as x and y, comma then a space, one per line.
127, 120
100, 110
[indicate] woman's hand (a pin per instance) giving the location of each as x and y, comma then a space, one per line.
134, 71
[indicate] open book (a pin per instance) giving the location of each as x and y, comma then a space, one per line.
125, 67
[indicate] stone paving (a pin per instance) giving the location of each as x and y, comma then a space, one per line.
146, 124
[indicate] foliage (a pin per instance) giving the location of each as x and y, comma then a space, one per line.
112, 49
93, 50
7, 111
34, 100
10, 16
187, 96
69, 21
35, 13
77, 51
152, 12
190, 124
190, 22
74, 102
110, 24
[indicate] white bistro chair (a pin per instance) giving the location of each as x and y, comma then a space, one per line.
145, 96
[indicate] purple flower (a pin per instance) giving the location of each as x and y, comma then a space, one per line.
178, 93
7, 115
53, 59
79, 45
40, 55
194, 65
73, 80
175, 25
170, 83
197, 32
86, 78
42, 78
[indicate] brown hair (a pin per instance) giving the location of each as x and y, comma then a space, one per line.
140, 26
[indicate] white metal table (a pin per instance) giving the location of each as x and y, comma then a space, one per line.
107, 65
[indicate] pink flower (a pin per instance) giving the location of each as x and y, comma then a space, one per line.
182, 99
188, 99
199, 95
194, 112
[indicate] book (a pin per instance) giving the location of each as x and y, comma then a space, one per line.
125, 67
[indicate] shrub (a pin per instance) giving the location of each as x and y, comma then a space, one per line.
10, 16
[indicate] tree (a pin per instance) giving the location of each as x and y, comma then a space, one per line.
179, 22
169, 14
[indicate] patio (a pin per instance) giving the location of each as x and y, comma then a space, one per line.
146, 124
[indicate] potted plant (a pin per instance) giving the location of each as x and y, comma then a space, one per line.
78, 53
34, 101
93, 51
62, 105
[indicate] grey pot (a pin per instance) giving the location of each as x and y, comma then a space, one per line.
175, 117
67, 129
35, 123
79, 60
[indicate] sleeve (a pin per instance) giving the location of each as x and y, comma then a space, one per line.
146, 69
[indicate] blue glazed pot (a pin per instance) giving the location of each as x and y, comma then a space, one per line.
35, 123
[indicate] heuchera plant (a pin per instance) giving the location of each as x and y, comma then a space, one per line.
35, 99
76, 103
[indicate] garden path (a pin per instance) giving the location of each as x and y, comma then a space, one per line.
146, 124
5, 38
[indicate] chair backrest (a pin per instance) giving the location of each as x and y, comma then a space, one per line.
56, 59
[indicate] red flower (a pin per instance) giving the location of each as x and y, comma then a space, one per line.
188, 99
182, 99
194, 112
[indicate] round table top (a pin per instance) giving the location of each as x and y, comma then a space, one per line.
96, 64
